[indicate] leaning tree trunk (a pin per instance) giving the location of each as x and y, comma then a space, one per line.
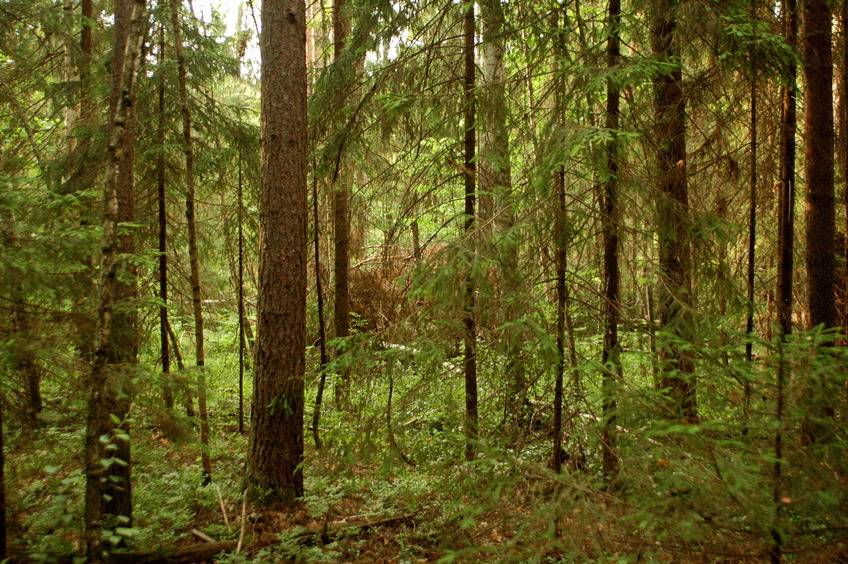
98, 420
470, 338
194, 261
275, 454
820, 198
677, 367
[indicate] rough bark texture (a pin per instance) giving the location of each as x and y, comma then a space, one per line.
820, 197
673, 216
818, 162
786, 205
341, 207
276, 441
123, 355
470, 337
194, 260
98, 421
609, 219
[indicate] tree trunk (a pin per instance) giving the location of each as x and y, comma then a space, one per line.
322, 336
123, 355
163, 234
673, 218
341, 210
786, 204
98, 420
609, 219
197, 304
495, 180
820, 197
470, 338
275, 453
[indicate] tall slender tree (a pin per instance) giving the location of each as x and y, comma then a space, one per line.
341, 199
123, 355
786, 199
610, 356
99, 385
470, 176
194, 259
275, 453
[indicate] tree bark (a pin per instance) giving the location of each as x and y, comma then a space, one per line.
123, 355
610, 357
786, 204
194, 261
98, 420
275, 452
341, 209
165, 350
470, 337
673, 226
495, 181
820, 196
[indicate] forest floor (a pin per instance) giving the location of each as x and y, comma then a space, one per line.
497, 509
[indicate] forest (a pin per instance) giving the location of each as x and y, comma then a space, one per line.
424, 281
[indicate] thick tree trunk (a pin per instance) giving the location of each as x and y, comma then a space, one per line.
673, 217
194, 261
610, 357
820, 197
98, 420
123, 355
470, 338
275, 453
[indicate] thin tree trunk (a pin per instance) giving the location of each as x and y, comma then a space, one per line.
242, 343
98, 420
274, 471
341, 212
786, 205
470, 339
163, 234
197, 307
820, 199
673, 218
752, 228
610, 217
560, 258
322, 336
785, 245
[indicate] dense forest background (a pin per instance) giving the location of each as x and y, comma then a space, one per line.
424, 281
